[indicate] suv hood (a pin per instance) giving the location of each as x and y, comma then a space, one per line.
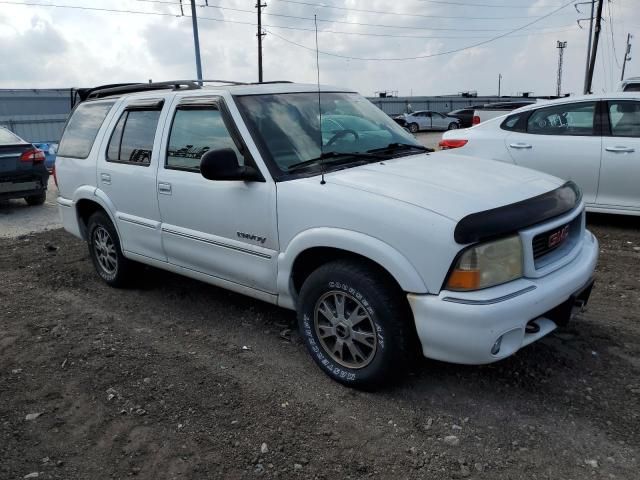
451, 185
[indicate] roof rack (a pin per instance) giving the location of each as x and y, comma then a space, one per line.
122, 88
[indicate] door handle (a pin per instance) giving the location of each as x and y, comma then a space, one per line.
105, 178
520, 145
620, 149
164, 188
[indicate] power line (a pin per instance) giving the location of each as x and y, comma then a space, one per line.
364, 24
386, 12
463, 4
419, 57
239, 22
613, 42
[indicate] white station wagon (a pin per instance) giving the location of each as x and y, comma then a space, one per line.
315, 200
592, 140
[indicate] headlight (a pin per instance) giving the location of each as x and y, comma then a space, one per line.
487, 264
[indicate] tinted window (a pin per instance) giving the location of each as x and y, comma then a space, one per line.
194, 132
568, 119
132, 139
8, 138
632, 87
82, 128
625, 118
514, 122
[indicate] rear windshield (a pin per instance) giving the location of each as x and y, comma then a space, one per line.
8, 138
82, 128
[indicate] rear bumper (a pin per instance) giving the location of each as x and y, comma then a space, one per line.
23, 185
69, 216
464, 327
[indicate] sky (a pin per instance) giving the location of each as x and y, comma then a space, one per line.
53, 47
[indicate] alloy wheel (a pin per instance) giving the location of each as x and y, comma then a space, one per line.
105, 251
345, 329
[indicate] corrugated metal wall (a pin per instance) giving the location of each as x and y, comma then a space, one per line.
40, 115
398, 105
35, 115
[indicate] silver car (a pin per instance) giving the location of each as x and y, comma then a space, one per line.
429, 120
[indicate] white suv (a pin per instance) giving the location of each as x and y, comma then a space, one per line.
382, 248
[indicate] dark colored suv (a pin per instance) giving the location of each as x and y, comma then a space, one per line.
22, 170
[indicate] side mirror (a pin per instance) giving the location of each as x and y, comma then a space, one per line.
222, 164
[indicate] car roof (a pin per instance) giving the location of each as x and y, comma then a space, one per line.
582, 98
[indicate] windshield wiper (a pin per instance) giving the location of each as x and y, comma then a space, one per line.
333, 158
400, 146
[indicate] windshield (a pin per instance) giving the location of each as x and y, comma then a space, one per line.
288, 126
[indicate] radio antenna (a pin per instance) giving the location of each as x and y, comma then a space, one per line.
322, 182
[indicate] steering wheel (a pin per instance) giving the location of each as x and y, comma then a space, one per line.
342, 133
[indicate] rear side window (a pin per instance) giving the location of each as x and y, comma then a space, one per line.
625, 118
567, 119
632, 87
82, 128
132, 138
194, 132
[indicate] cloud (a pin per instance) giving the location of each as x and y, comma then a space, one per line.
55, 47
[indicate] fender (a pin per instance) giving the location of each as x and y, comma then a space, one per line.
87, 192
370, 247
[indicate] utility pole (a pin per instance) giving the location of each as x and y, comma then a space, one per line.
499, 82
560, 46
627, 55
586, 67
260, 34
594, 53
196, 39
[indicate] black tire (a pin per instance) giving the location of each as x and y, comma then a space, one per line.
101, 232
414, 128
453, 126
389, 319
34, 200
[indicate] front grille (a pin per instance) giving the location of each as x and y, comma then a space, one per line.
555, 238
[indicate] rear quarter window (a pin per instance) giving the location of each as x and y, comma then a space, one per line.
82, 129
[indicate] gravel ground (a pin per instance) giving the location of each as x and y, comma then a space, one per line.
18, 218
178, 379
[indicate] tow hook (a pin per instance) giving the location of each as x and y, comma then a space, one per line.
532, 327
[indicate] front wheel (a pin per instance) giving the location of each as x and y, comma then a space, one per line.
413, 128
355, 324
452, 126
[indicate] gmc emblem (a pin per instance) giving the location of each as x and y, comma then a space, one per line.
558, 237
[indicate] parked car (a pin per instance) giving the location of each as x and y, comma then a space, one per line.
22, 170
493, 110
465, 115
382, 249
592, 140
631, 84
49, 149
428, 120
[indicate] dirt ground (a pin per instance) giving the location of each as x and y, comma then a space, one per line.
178, 379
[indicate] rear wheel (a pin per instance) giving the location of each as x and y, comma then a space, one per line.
106, 254
355, 324
413, 127
34, 200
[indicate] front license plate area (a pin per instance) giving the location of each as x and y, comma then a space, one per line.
564, 312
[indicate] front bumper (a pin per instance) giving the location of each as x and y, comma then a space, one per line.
464, 327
